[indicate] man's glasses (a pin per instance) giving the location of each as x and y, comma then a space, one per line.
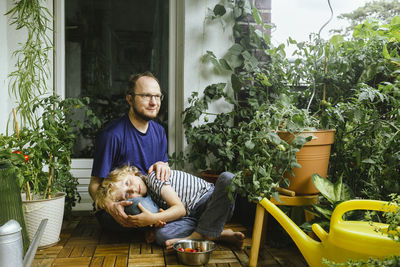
148, 97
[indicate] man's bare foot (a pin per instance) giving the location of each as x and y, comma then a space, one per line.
231, 237
170, 242
149, 236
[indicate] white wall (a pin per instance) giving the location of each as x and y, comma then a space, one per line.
201, 36
10, 37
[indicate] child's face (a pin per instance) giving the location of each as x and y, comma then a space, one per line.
130, 186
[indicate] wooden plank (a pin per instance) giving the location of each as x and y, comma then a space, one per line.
109, 261
155, 249
287, 257
146, 248
77, 241
97, 262
77, 252
134, 249
111, 249
242, 257
42, 262
50, 252
171, 259
121, 261
65, 252
88, 251
76, 262
147, 260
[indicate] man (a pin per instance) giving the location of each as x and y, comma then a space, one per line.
133, 139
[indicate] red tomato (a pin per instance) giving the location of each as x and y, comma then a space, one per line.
194, 250
17, 152
26, 158
181, 249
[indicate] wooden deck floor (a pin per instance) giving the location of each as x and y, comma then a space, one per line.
84, 244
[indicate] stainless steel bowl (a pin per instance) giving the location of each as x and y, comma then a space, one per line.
202, 256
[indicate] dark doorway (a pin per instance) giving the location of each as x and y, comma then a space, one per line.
106, 41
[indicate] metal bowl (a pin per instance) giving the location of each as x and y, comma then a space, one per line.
202, 256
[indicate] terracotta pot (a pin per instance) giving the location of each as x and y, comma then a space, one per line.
209, 175
313, 158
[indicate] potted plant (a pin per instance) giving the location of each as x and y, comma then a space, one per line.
265, 102
46, 182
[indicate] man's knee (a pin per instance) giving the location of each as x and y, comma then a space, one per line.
225, 178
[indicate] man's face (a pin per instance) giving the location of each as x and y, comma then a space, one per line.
130, 186
143, 103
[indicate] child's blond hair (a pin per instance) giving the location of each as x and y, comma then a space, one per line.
105, 190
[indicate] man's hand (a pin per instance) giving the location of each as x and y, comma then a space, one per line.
116, 210
162, 170
142, 219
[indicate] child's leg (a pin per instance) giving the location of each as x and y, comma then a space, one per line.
218, 211
219, 208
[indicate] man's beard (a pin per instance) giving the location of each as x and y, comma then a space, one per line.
142, 116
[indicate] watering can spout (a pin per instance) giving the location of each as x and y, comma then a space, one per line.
30, 254
310, 248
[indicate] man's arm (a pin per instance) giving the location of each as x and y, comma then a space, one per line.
115, 209
175, 211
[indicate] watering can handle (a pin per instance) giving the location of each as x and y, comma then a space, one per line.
361, 204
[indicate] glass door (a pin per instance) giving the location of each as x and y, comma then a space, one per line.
105, 42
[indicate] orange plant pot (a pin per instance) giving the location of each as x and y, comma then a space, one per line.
313, 158
209, 175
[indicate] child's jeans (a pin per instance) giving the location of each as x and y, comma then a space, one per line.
208, 217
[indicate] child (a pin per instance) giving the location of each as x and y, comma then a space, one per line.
108, 189
206, 207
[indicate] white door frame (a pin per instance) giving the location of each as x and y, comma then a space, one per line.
175, 75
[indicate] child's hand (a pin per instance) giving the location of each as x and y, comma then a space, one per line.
145, 218
159, 223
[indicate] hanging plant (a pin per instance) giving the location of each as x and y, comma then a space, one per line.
32, 69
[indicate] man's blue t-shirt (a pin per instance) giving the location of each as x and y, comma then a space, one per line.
120, 143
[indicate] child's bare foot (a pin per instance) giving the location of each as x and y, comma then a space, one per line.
231, 237
149, 236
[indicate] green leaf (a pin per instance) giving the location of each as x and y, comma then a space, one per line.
325, 187
369, 161
256, 16
250, 145
325, 212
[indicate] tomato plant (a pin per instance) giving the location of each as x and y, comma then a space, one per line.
45, 148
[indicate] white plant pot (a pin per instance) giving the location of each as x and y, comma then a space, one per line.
39, 209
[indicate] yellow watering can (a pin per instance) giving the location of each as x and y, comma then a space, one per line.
346, 239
